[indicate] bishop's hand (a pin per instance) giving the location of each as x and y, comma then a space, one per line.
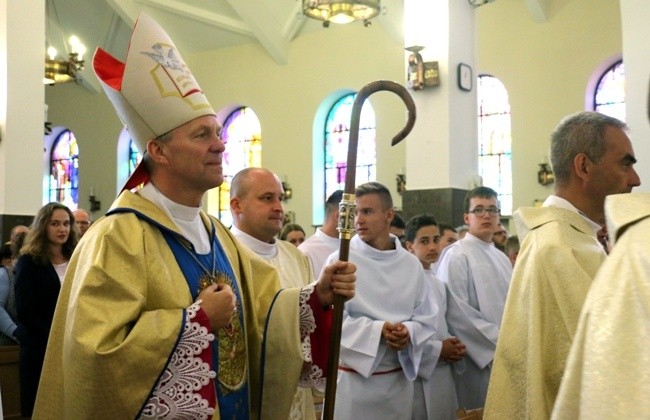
219, 303
337, 278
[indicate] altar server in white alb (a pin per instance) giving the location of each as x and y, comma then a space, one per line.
477, 276
435, 392
386, 327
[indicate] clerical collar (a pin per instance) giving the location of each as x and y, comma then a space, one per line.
554, 200
188, 219
263, 249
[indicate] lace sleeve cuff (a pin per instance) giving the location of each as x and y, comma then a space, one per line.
186, 387
315, 330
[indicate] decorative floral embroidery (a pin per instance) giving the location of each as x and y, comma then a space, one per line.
177, 392
311, 375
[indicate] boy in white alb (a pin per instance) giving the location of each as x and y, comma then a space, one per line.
435, 393
477, 277
388, 324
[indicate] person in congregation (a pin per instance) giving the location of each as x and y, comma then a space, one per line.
435, 392
163, 314
500, 237
17, 230
319, 246
477, 276
387, 327
462, 231
292, 233
256, 196
10, 332
512, 248
39, 273
398, 227
592, 157
83, 220
448, 236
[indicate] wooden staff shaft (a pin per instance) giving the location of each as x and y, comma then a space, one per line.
346, 219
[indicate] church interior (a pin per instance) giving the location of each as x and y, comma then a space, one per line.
548, 54
290, 69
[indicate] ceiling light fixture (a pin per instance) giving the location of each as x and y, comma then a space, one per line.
341, 11
59, 70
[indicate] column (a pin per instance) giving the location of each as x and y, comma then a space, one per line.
441, 152
22, 98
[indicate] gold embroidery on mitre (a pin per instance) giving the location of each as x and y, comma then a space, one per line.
173, 77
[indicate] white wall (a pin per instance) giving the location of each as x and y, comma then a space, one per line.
636, 56
546, 68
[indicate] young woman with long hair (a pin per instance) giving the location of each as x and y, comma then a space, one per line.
39, 273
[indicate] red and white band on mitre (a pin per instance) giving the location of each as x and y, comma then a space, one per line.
154, 91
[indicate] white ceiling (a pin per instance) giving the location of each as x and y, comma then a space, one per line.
194, 25
200, 25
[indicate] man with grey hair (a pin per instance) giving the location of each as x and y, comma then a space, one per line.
83, 220
615, 312
592, 157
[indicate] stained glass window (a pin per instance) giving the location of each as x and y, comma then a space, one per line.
64, 170
609, 95
242, 135
494, 139
337, 133
134, 157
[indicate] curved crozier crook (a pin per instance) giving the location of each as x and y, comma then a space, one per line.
348, 203
362, 95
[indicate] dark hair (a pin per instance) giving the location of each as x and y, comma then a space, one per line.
332, 202
583, 132
398, 222
444, 227
36, 242
416, 223
5, 251
375, 188
288, 228
482, 192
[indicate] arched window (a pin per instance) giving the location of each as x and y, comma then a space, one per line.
494, 139
134, 157
609, 94
242, 135
64, 170
337, 133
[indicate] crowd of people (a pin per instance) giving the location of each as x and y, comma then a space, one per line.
162, 311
